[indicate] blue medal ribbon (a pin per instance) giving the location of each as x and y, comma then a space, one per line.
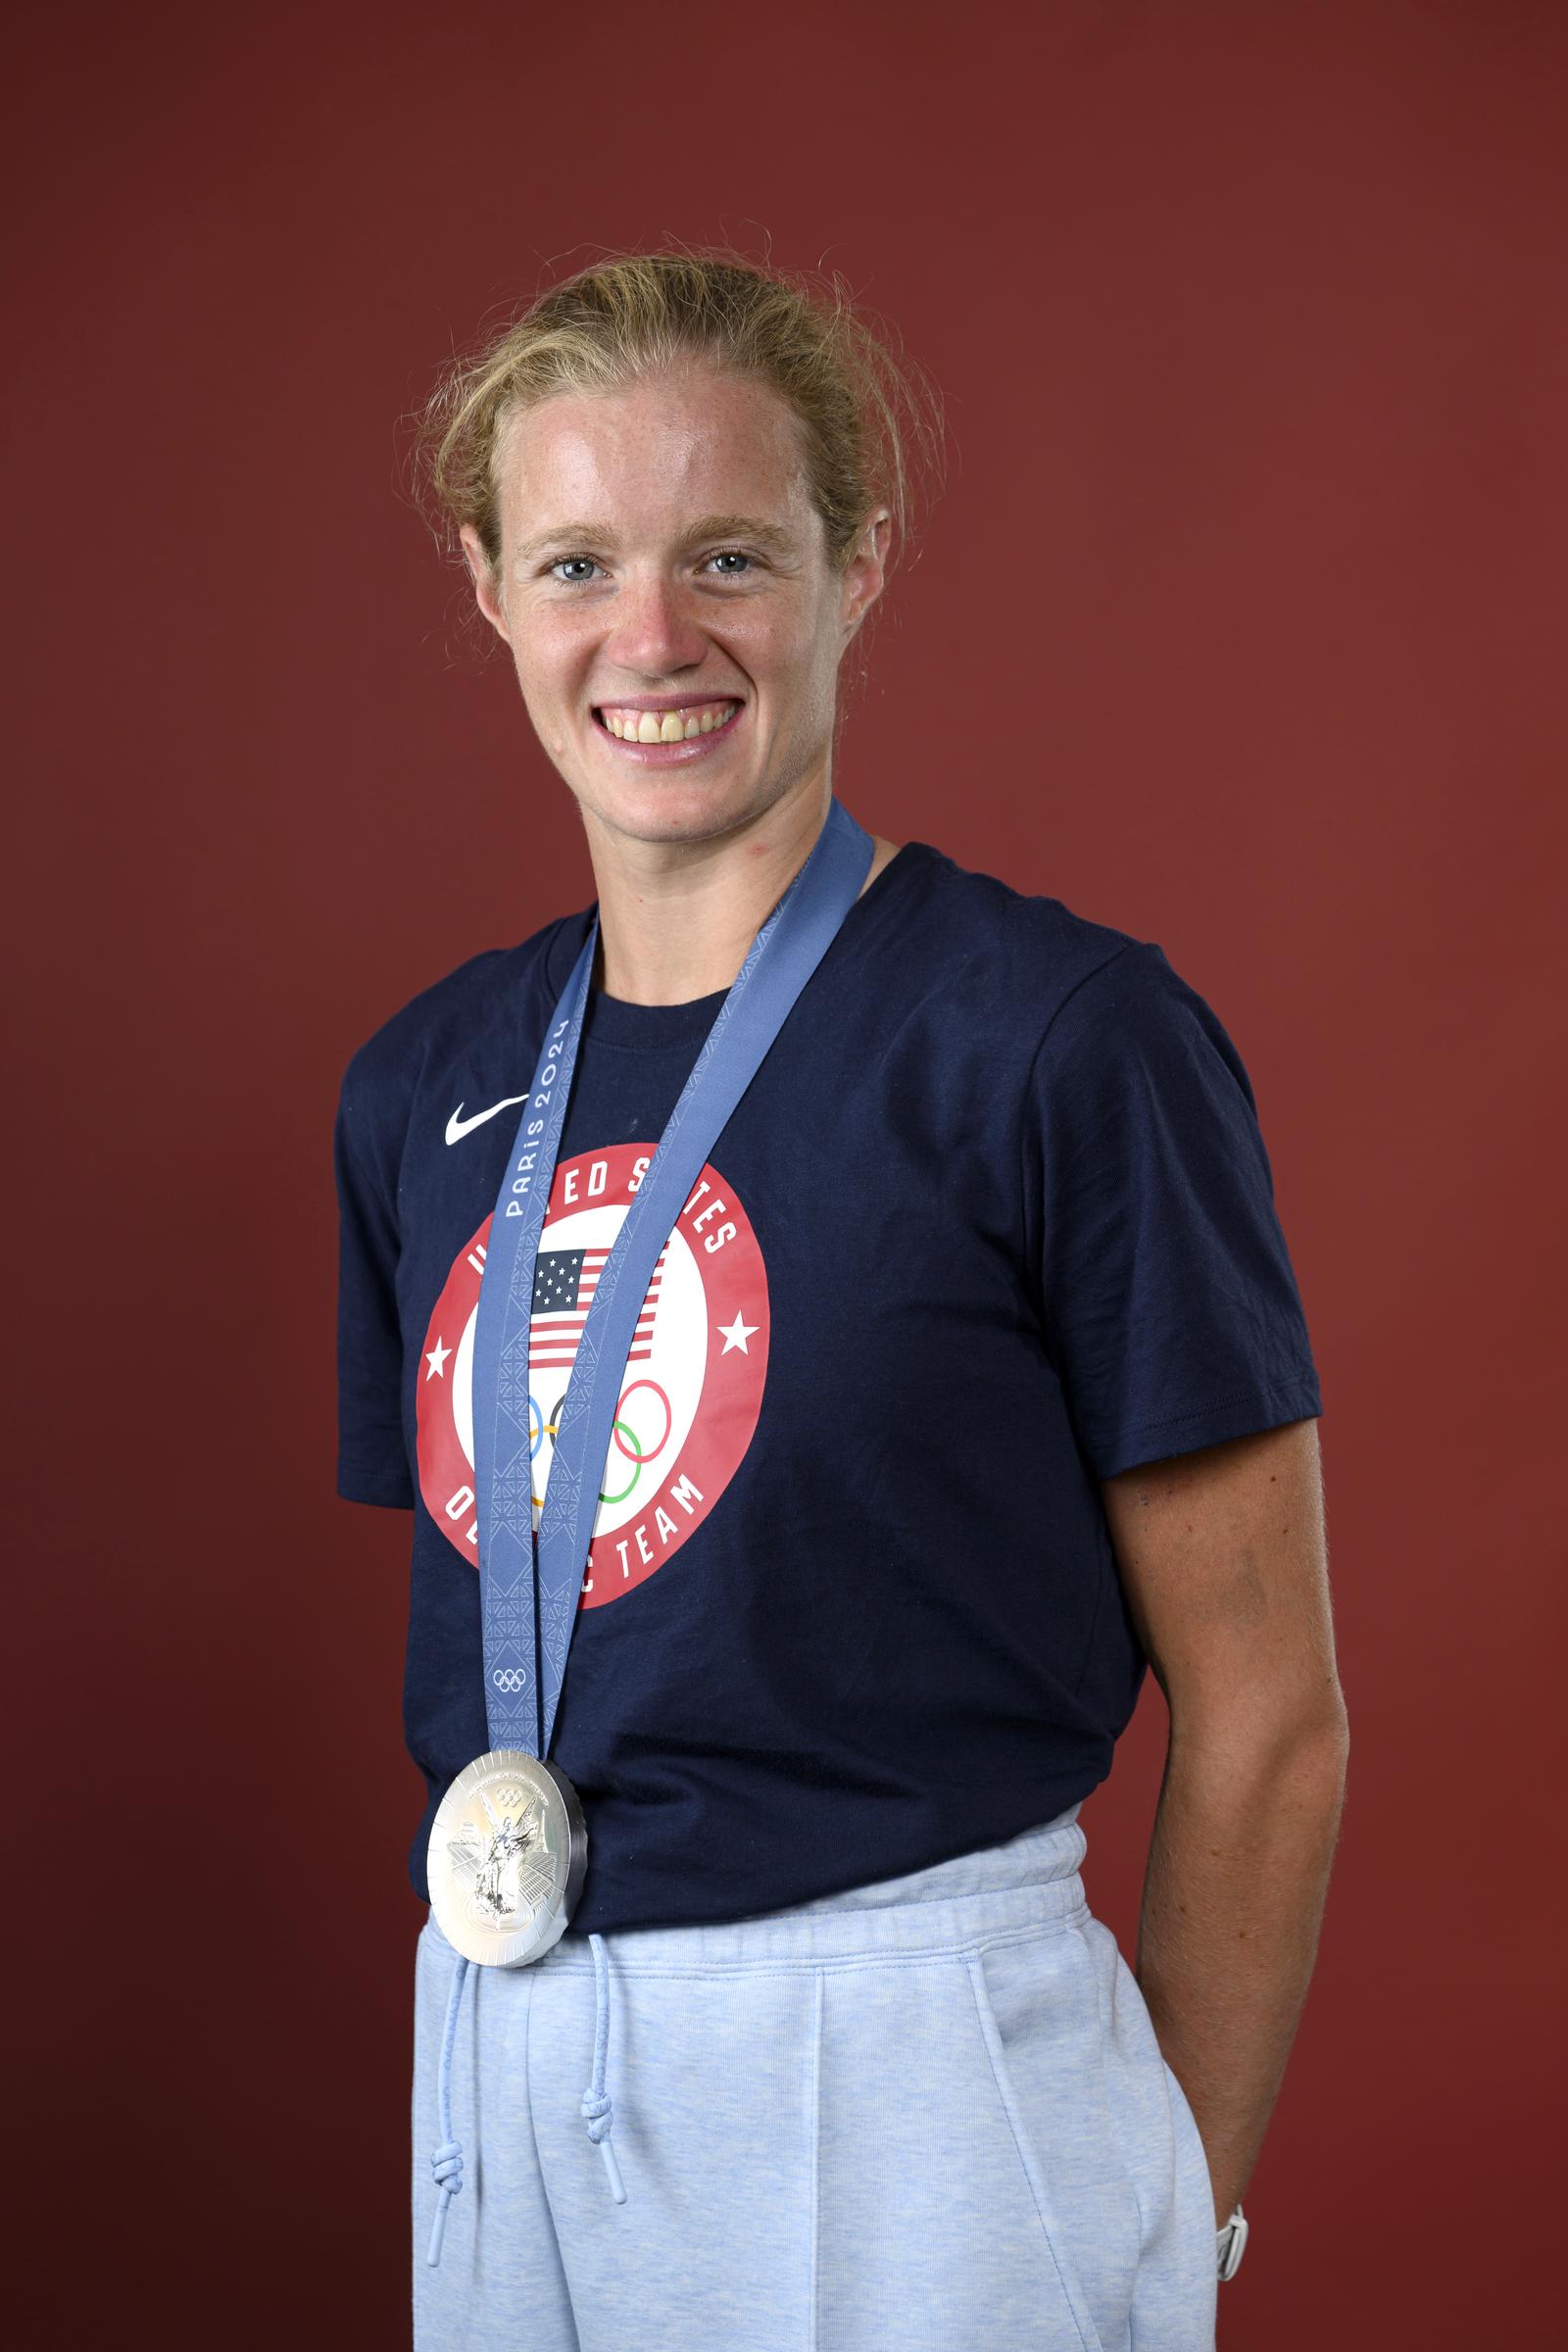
520, 1701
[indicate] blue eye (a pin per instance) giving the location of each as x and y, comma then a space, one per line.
722, 555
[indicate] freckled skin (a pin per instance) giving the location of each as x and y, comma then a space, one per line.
688, 858
1232, 1606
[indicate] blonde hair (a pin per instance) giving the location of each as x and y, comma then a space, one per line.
870, 419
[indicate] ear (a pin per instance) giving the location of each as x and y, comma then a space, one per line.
866, 574
484, 580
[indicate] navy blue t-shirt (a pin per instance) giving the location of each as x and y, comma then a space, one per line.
993, 1220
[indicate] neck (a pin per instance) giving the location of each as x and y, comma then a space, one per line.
677, 918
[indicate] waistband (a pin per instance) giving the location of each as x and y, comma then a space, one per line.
1025, 1886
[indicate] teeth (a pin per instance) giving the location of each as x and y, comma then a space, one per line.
667, 726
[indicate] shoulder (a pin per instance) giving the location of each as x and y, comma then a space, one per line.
441, 1021
1047, 955
1083, 999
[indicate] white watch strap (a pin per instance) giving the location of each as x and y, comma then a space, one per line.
1230, 2244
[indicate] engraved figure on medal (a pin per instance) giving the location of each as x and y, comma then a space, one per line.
503, 1869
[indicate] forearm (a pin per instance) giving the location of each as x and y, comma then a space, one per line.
1233, 1900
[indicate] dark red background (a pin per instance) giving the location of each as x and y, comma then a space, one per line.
1241, 627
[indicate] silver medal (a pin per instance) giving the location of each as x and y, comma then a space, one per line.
508, 1848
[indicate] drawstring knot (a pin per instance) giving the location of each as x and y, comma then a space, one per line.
598, 2108
447, 2162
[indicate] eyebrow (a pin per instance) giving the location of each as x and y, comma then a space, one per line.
769, 535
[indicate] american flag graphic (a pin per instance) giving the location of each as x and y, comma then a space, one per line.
564, 1285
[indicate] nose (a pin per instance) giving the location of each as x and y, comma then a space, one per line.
654, 631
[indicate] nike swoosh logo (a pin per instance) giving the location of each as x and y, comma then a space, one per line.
457, 1126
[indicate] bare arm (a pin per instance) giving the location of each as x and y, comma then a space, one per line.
1224, 1561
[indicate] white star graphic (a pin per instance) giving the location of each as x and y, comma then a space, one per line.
737, 1334
437, 1361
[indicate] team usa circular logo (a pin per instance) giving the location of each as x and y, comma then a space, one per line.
690, 1394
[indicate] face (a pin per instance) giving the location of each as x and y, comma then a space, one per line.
663, 572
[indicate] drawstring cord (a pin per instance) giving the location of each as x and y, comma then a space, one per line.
598, 2108
447, 2162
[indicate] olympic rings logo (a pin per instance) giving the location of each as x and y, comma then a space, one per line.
508, 1678
625, 1437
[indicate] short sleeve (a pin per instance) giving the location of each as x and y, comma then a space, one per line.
1170, 1308
373, 1463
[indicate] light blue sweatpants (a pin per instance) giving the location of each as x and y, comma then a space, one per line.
927, 2114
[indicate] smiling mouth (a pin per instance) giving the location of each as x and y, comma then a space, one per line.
629, 725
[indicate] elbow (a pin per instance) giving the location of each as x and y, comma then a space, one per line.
1322, 1751
1309, 1762
1301, 1743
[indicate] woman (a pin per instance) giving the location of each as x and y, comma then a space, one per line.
804, 2032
